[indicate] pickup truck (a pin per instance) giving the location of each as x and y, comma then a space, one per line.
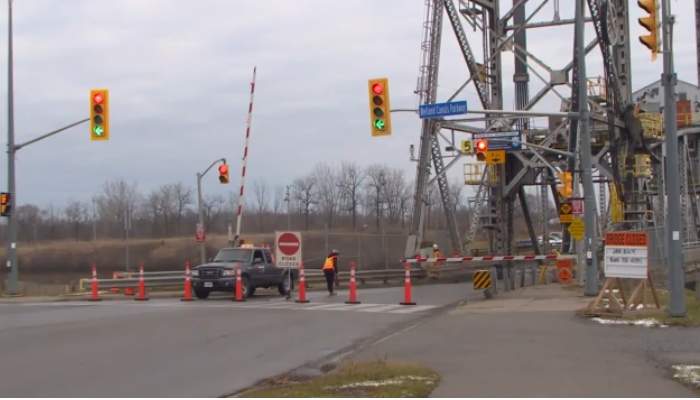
257, 271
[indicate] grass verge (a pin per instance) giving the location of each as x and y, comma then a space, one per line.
367, 379
660, 316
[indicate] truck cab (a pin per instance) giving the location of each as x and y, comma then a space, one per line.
258, 270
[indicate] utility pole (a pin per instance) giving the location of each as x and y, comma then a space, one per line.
13, 275
590, 240
200, 208
127, 228
674, 247
288, 200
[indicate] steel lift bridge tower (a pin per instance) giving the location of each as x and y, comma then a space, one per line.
625, 147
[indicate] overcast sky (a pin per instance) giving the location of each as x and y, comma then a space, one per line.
179, 73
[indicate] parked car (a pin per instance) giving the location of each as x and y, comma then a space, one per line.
257, 270
555, 239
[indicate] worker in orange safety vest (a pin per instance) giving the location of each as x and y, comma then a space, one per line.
330, 271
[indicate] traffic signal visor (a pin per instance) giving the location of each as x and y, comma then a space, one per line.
652, 23
223, 173
566, 188
5, 204
99, 114
481, 148
379, 106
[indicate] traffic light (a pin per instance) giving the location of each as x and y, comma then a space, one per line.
5, 204
99, 114
481, 147
565, 190
223, 174
379, 107
651, 23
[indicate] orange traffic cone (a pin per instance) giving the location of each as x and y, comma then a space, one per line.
114, 289
353, 288
407, 288
94, 295
188, 284
302, 286
239, 285
130, 290
142, 286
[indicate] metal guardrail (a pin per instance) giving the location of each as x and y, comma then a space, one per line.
177, 278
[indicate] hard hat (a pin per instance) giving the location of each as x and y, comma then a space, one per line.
435, 246
334, 251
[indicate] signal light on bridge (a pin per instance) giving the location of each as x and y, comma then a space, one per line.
565, 190
99, 114
223, 174
379, 107
5, 204
482, 146
652, 23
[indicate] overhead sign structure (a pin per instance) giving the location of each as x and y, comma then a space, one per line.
504, 143
288, 249
199, 233
626, 255
565, 215
577, 229
495, 157
437, 110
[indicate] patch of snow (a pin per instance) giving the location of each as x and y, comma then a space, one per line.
649, 322
688, 373
387, 382
641, 306
614, 290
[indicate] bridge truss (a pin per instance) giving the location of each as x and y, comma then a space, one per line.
626, 144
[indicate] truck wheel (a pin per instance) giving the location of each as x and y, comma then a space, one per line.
201, 293
286, 286
248, 291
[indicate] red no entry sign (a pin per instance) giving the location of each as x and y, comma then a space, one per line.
288, 244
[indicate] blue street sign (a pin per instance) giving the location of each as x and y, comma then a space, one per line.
442, 109
501, 144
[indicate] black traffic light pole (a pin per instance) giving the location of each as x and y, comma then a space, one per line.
200, 206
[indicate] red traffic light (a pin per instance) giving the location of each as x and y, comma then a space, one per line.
223, 169
377, 88
98, 98
481, 145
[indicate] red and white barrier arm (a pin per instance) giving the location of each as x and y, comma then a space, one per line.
492, 258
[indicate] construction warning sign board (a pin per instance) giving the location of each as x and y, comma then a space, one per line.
577, 229
495, 157
565, 215
626, 255
482, 279
564, 270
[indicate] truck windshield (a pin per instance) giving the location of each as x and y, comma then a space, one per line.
233, 255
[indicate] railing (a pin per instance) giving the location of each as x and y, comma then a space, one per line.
177, 278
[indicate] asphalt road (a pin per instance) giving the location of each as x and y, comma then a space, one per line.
167, 348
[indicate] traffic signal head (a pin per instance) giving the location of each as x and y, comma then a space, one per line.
652, 23
379, 107
565, 190
482, 146
223, 173
5, 204
99, 114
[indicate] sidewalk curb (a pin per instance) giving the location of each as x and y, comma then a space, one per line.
324, 364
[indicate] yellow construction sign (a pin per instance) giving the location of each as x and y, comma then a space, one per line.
495, 157
577, 229
565, 216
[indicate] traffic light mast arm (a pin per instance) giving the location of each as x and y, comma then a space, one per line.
222, 160
47, 135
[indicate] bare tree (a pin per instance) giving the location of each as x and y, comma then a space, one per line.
351, 178
152, 207
76, 215
306, 197
395, 185
117, 197
326, 179
183, 200
261, 190
213, 206
168, 206
278, 200
376, 187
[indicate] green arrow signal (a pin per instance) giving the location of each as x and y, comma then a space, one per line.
379, 124
98, 130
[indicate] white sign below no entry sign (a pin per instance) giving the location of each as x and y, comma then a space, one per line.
288, 249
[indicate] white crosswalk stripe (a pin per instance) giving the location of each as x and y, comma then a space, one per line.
274, 305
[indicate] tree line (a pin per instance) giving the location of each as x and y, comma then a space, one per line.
343, 196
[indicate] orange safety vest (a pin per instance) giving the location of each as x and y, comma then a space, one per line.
437, 254
329, 263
